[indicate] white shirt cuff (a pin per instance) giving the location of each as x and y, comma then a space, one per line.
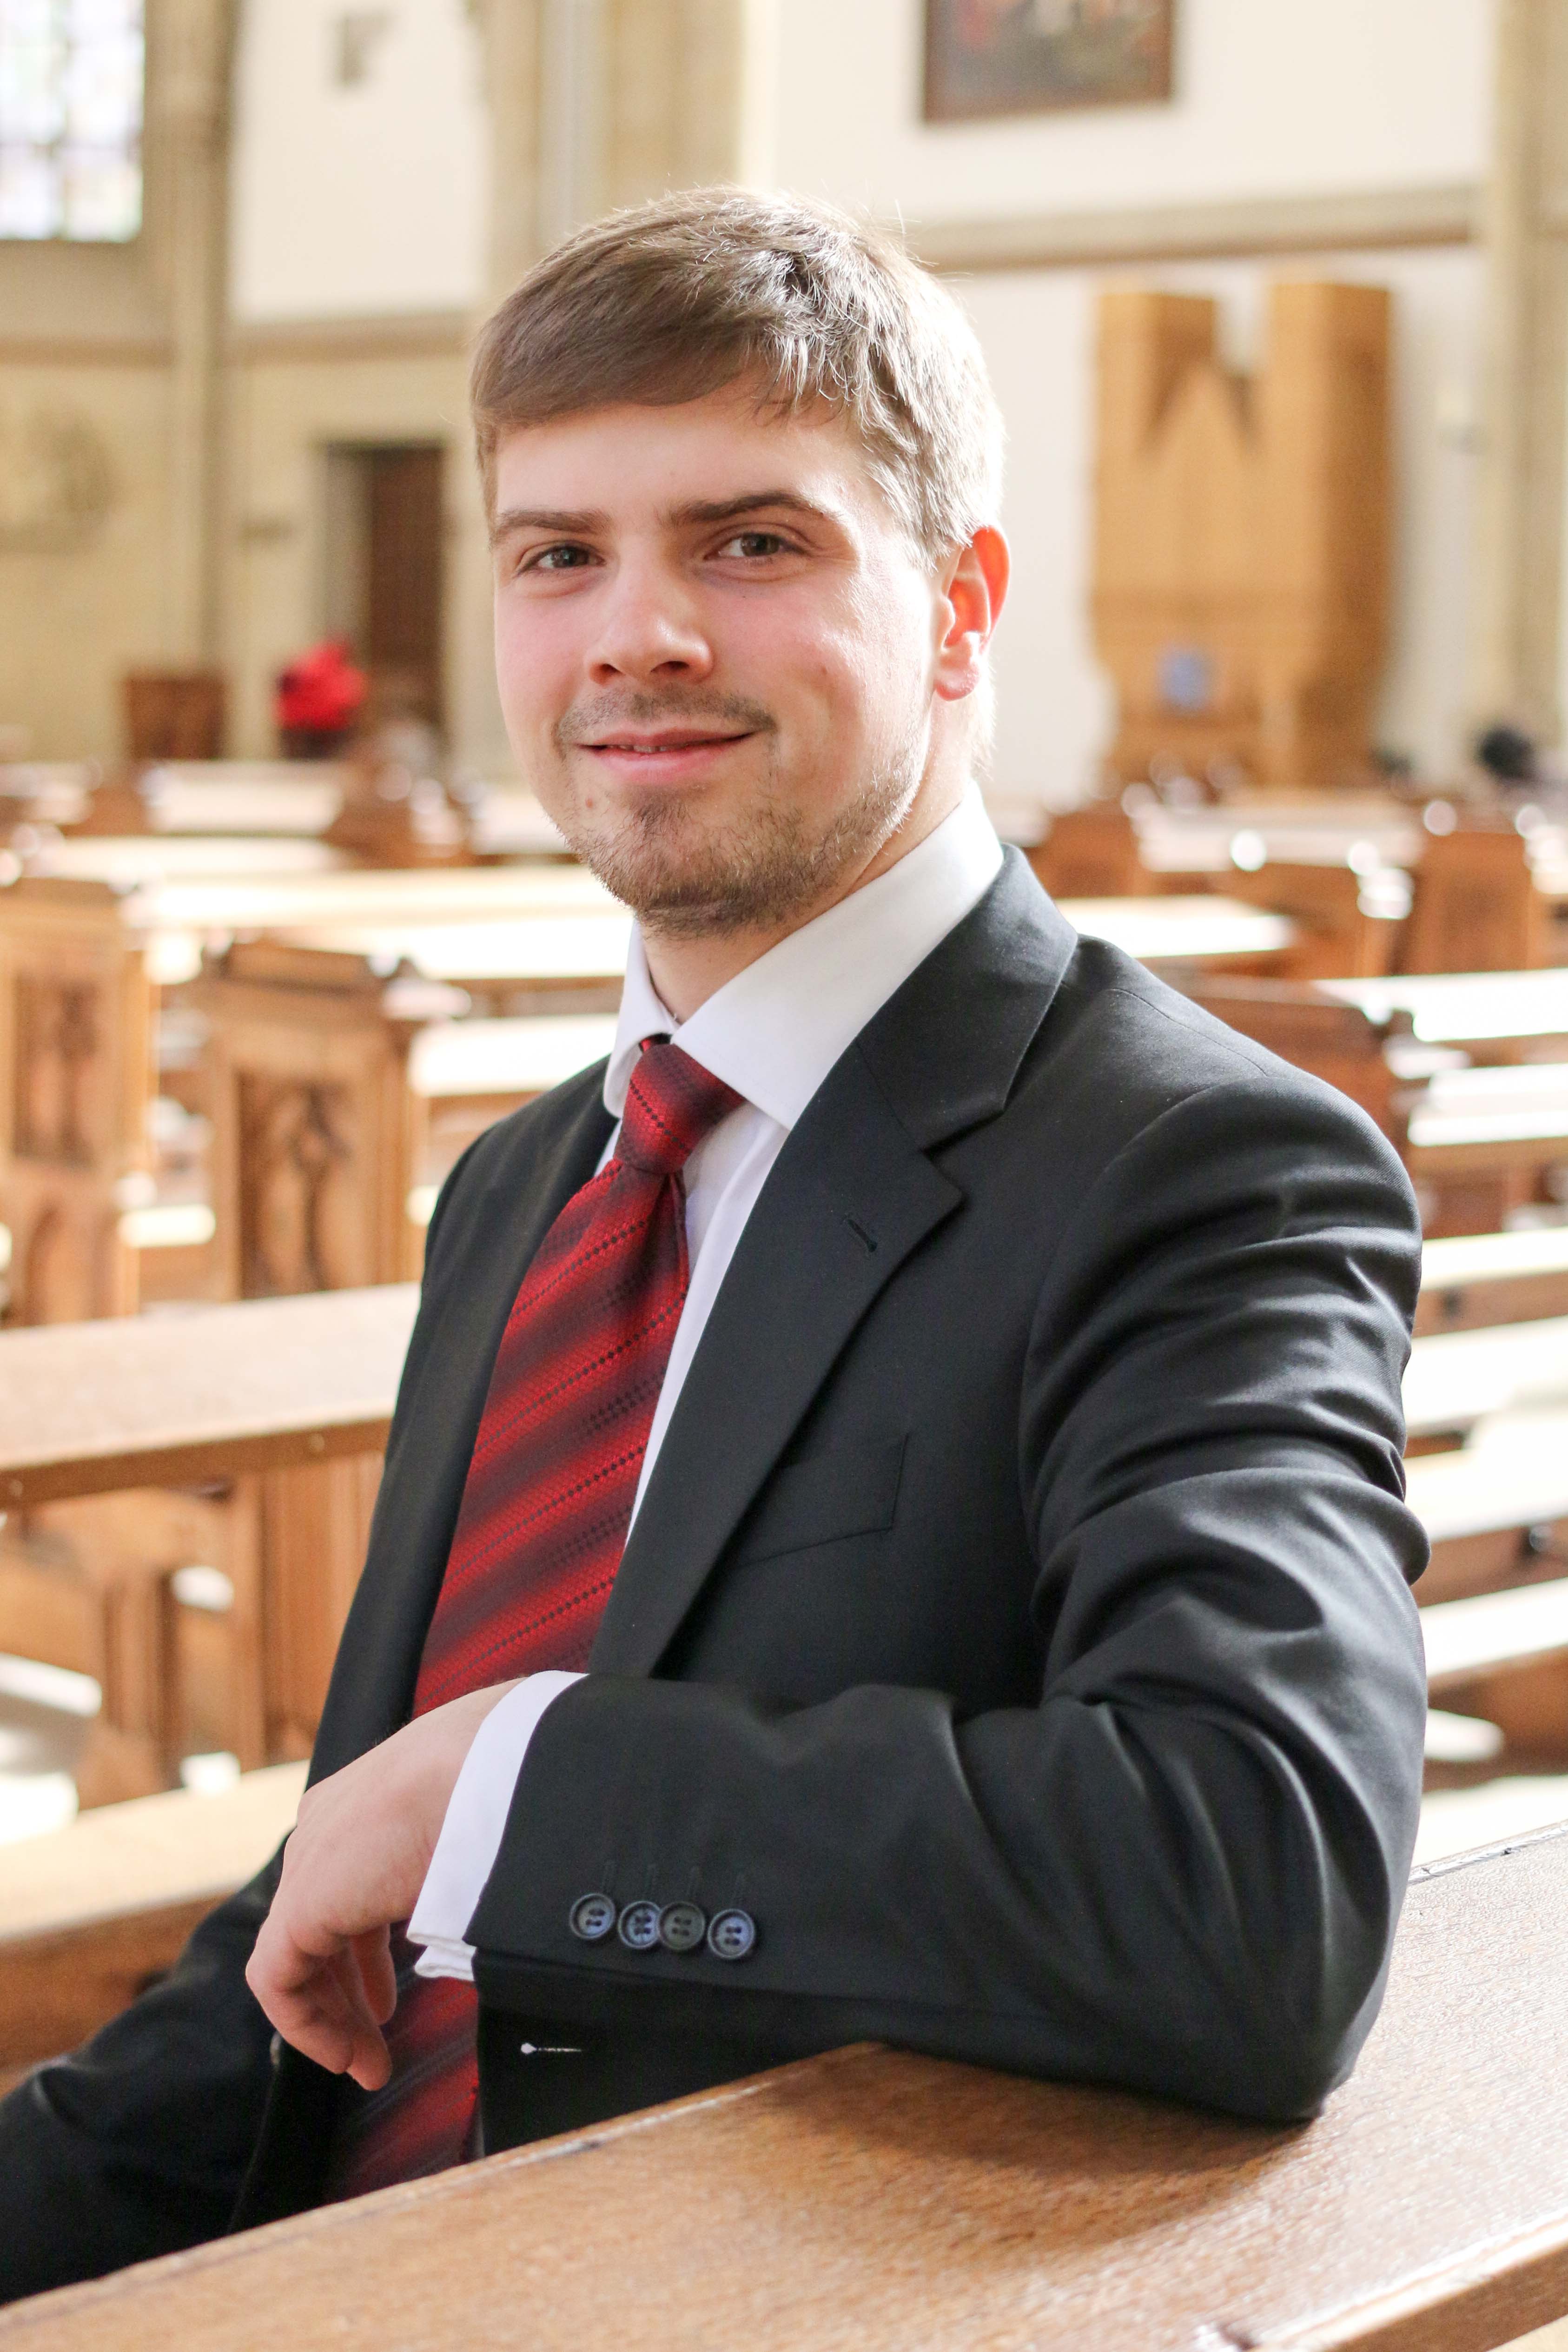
474, 1825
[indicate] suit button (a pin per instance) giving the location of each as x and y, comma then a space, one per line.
732, 1935
275, 2051
591, 1918
681, 1926
639, 1927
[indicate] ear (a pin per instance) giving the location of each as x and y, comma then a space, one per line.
972, 591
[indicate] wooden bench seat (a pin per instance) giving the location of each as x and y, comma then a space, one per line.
1455, 1379
1473, 1280
245, 1439
1190, 934
1467, 1077
88, 1913
1466, 1638
885, 2200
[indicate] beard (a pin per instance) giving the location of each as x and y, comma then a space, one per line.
687, 876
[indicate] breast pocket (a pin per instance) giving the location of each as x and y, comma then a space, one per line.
852, 1491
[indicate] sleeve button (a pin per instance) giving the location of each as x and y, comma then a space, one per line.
639, 1927
682, 1926
732, 1935
591, 1918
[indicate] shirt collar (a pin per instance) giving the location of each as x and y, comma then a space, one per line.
775, 1031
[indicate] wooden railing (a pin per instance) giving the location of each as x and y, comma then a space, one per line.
882, 2201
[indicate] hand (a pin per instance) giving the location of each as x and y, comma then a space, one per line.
322, 1967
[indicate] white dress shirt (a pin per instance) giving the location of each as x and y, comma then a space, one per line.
772, 1033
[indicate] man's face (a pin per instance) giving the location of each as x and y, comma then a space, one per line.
718, 654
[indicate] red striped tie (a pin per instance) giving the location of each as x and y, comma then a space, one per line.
540, 1532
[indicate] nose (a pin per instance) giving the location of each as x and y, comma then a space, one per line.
651, 628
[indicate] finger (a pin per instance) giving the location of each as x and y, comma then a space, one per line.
317, 2003
373, 1953
369, 2063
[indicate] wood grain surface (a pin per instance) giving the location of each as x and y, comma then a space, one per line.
88, 1913
870, 2201
86, 1408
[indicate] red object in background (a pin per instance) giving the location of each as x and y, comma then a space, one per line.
321, 694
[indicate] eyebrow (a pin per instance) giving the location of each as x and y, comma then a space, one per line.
584, 522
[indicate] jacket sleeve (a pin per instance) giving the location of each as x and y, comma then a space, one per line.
1180, 1871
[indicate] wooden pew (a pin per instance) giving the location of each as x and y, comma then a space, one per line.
1455, 1379
1184, 936
87, 960
1497, 1514
883, 2201
1464, 1075
271, 1418
337, 1111
1473, 1280
90, 1912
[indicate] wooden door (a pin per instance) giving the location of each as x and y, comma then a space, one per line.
405, 562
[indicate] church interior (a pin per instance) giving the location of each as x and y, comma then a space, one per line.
1275, 302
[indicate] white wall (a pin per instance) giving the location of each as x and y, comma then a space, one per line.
1273, 96
1053, 707
1272, 99
364, 199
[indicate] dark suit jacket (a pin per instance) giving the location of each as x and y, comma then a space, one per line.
1017, 1623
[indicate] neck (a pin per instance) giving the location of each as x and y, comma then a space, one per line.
686, 971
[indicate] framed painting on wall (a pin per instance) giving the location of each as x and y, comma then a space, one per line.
1031, 57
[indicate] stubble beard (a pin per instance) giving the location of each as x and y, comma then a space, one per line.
684, 878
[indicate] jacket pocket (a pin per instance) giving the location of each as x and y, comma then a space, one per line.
854, 1491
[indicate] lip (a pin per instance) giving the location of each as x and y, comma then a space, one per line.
664, 753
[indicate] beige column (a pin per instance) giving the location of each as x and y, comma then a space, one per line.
1524, 404
687, 95
188, 94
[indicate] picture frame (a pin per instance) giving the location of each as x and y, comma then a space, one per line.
993, 57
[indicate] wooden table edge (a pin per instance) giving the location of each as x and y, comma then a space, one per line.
190, 1461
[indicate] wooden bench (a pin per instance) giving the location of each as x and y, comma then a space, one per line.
1455, 1379
88, 1914
88, 965
885, 2200
1475, 1279
248, 1438
337, 1111
1180, 935
1497, 1516
1461, 1075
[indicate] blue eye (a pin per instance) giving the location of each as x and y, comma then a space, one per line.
559, 559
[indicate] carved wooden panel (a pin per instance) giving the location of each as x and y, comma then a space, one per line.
296, 1152
57, 1039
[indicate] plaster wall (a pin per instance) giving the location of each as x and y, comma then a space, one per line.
285, 412
73, 620
1270, 99
360, 196
1270, 102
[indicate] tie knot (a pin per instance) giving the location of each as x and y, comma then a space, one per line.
671, 1104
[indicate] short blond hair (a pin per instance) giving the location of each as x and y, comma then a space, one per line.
717, 286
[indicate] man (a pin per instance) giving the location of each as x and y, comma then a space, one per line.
893, 1524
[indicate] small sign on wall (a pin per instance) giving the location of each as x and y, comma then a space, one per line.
1031, 57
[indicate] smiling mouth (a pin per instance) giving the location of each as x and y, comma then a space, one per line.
650, 746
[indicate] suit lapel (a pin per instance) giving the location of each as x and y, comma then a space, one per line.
850, 1196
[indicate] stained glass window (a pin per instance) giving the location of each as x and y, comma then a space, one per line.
70, 118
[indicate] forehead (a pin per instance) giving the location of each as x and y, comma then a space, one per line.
634, 463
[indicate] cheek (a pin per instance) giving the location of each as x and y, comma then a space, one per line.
535, 666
